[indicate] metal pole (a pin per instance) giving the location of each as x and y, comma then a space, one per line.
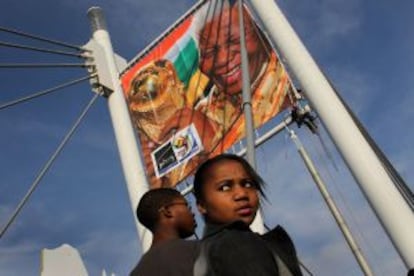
257, 224
331, 205
246, 92
386, 201
131, 162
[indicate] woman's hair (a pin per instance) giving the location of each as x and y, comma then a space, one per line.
149, 206
201, 175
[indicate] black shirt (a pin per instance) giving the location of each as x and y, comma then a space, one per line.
170, 258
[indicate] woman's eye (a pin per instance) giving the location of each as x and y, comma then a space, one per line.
224, 187
249, 184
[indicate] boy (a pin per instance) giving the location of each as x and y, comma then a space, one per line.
165, 212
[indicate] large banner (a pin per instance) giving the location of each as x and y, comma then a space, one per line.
185, 93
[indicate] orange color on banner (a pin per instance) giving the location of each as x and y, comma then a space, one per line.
159, 50
185, 96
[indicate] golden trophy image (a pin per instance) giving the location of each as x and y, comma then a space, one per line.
159, 109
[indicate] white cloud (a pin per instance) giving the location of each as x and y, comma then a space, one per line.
19, 258
338, 18
323, 22
354, 87
110, 251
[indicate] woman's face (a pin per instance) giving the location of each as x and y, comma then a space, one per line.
229, 194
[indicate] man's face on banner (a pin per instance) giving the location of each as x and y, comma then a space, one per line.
220, 50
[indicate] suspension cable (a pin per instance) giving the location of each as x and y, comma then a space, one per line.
48, 164
43, 50
44, 92
395, 177
321, 148
339, 219
19, 33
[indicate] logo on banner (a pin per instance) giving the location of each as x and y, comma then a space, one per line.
182, 146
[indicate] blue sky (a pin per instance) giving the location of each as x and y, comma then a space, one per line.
365, 47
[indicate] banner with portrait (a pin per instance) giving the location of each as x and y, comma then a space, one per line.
184, 92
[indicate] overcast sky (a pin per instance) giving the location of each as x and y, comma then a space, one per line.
364, 47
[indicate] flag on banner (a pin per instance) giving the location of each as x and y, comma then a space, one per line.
184, 93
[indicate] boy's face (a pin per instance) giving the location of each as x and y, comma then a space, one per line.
229, 194
184, 218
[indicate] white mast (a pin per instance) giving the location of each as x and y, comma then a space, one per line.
131, 162
388, 204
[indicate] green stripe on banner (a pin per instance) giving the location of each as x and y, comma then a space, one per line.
186, 63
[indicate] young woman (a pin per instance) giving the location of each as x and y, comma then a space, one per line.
227, 191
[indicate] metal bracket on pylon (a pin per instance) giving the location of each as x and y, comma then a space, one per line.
97, 66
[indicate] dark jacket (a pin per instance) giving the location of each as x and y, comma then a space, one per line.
235, 250
280, 241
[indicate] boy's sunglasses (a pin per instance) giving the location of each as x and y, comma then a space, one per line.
175, 203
